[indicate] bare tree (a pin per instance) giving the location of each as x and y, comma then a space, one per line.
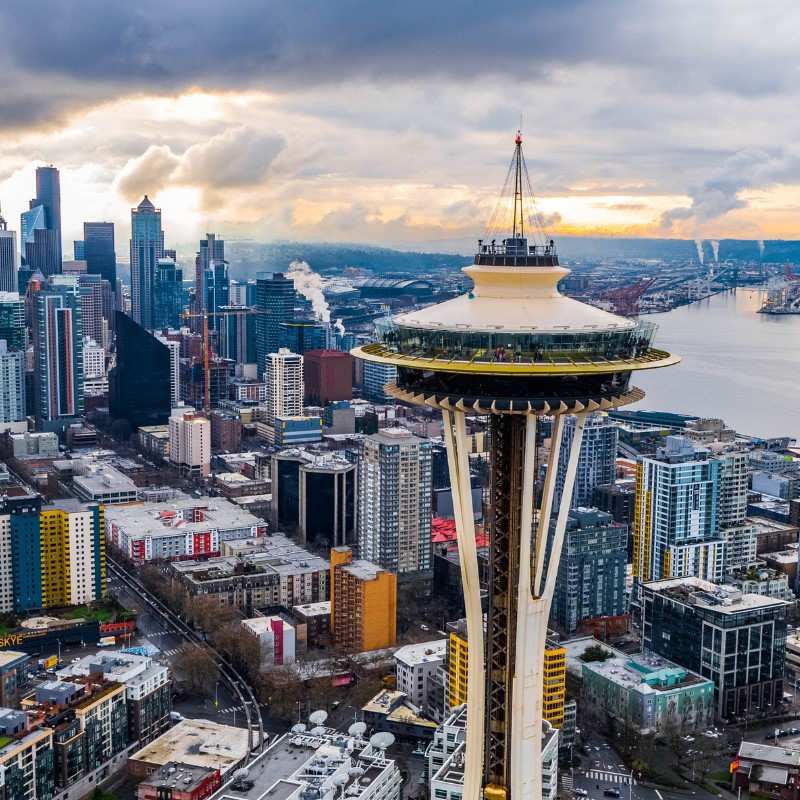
196, 668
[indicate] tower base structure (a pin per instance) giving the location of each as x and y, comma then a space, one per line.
505, 660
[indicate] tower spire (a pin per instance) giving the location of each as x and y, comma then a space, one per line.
518, 228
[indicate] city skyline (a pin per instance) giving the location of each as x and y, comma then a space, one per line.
631, 133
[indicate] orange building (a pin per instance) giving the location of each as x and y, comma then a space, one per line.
363, 603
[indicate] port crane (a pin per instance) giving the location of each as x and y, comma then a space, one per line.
625, 299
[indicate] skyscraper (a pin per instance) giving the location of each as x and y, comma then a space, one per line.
174, 369
212, 252
283, 374
91, 292
675, 523
39, 243
597, 460
12, 388
58, 352
147, 247
98, 250
394, 496
237, 335
167, 295
275, 298
12, 320
217, 286
8, 258
43, 237
139, 384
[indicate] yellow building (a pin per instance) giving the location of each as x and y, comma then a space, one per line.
363, 603
554, 689
72, 550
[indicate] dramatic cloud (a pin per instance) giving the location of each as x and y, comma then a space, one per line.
235, 158
392, 123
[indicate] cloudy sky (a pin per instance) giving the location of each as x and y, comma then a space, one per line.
392, 122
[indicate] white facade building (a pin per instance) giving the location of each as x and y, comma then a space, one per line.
416, 666
174, 369
275, 636
94, 360
447, 752
394, 497
283, 375
12, 390
190, 443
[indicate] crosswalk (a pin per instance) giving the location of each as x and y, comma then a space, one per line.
609, 777
174, 651
566, 781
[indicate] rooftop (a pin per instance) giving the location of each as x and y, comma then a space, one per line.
297, 762
704, 594
9, 657
197, 742
422, 652
165, 518
645, 673
276, 553
315, 609
182, 777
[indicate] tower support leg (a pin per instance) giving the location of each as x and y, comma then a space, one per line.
534, 599
455, 437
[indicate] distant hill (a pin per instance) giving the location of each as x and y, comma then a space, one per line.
247, 257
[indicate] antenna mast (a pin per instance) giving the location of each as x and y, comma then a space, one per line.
519, 214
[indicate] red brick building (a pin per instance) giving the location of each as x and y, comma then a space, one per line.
328, 376
176, 781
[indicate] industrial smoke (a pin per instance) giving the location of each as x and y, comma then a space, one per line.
309, 284
698, 243
761, 249
715, 250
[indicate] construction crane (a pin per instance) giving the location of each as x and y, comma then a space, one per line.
187, 315
625, 299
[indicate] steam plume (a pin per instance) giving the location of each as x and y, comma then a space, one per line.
715, 250
309, 284
761, 249
698, 243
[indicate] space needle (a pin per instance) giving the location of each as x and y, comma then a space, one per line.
515, 350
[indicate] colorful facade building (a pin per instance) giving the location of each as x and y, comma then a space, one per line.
554, 679
72, 553
55, 555
363, 603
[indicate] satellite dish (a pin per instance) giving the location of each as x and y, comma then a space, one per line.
357, 729
318, 731
241, 774
355, 772
299, 728
318, 717
382, 741
340, 779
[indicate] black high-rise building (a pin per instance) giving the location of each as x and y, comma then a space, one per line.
139, 385
275, 298
98, 250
